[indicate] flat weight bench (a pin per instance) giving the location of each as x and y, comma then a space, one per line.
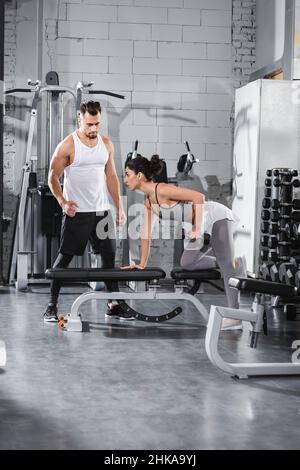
258, 319
150, 278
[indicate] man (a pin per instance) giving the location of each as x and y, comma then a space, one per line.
86, 158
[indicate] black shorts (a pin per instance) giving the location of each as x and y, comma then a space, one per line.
96, 227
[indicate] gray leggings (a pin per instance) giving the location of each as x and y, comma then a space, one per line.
222, 245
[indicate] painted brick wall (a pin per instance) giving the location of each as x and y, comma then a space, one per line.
9, 134
243, 40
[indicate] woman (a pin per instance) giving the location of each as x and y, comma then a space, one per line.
209, 217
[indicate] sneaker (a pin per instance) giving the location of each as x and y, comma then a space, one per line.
113, 313
118, 313
51, 313
125, 316
229, 324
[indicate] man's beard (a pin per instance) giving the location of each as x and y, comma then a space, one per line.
91, 136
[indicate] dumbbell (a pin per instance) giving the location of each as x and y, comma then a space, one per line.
273, 256
272, 242
264, 240
269, 173
296, 204
267, 192
275, 204
274, 272
274, 216
273, 228
264, 227
265, 270
284, 251
291, 230
287, 273
266, 203
268, 182
264, 255
265, 214
295, 216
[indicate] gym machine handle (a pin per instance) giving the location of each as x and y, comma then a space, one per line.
187, 146
18, 90
134, 153
101, 92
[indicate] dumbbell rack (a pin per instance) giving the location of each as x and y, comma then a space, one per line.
279, 250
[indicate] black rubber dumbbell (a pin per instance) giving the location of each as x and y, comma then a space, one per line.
264, 241
273, 228
265, 214
287, 273
274, 273
266, 203
268, 182
296, 204
291, 230
295, 216
275, 204
264, 227
265, 270
273, 256
267, 192
264, 255
272, 242
296, 183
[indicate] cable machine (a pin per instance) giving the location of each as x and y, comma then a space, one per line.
38, 218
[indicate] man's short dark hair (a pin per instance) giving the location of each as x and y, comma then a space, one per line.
91, 107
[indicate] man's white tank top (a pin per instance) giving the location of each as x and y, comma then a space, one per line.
85, 179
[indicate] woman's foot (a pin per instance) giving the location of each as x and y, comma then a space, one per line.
229, 324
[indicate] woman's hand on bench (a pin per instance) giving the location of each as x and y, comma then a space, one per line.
133, 265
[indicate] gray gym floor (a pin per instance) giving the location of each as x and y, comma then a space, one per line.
137, 386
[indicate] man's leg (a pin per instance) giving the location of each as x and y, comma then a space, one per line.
103, 241
62, 261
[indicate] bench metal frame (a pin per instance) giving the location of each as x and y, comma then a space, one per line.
255, 317
74, 322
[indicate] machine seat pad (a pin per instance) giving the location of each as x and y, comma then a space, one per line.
97, 274
198, 275
260, 286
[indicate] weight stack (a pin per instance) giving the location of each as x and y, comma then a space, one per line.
280, 218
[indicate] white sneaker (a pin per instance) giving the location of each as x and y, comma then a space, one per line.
229, 324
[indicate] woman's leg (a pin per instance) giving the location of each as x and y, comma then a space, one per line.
222, 243
193, 259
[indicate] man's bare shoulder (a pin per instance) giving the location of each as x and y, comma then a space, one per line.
66, 146
107, 141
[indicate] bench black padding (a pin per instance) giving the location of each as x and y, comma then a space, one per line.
179, 274
97, 274
263, 287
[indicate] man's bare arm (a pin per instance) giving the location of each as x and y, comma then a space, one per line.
59, 161
112, 181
